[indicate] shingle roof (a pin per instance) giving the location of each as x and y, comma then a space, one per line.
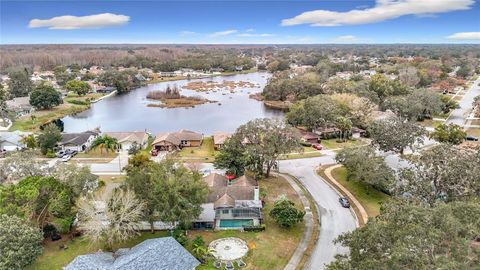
215, 180
244, 181
177, 137
136, 136
225, 201
221, 137
153, 254
76, 138
221, 192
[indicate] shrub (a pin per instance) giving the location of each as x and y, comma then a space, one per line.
181, 236
78, 102
50, 154
307, 144
101, 183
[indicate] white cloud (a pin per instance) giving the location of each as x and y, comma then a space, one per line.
79, 22
250, 30
465, 36
345, 39
254, 35
383, 10
223, 33
187, 33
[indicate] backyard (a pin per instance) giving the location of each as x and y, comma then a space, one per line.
203, 153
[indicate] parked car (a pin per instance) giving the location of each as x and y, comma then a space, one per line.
60, 153
471, 138
344, 202
66, 158
154, 152
317, 146
71, 152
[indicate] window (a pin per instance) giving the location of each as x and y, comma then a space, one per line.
226, 211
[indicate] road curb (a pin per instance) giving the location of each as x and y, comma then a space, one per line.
362, 216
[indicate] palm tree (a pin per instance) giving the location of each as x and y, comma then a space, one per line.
105, 142
345, 126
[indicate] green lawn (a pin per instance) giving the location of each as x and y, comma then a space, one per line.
41, 117
97, 153
205, 152
369, 197
335, 144
54, 258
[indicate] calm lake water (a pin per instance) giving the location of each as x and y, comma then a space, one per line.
129, 112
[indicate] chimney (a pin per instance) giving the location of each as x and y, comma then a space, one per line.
256, 194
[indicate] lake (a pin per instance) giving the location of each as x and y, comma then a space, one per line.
129, 111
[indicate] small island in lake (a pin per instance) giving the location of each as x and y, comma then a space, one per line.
171, 98
204, 86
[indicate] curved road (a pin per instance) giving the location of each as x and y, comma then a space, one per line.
334, 219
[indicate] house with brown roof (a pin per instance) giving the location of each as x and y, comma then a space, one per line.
219, 139
171, 141
232, 204
127, 139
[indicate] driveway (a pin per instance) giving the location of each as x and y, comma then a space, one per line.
460, 115
335, 220
113, 167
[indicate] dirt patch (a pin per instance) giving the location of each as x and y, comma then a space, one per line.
205, 86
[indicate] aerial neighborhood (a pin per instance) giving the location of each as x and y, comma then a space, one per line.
133, 139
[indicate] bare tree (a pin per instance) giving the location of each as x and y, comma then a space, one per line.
112, 219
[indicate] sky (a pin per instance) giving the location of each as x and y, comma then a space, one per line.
239, 22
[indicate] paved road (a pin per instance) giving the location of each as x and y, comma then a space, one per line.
460, 115
334, 219
113, 167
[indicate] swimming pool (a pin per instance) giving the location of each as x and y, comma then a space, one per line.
235, 223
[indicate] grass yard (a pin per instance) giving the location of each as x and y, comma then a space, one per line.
82, 100
430, 123
369, 197
334, 144
307, 153
272, 248
205, 152
54, 258
97, 153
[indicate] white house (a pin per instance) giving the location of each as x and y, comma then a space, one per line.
78, 141
11, 141
126, 139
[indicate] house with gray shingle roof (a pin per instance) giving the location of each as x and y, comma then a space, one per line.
153, 254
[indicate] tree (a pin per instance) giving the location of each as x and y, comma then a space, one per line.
345, 126
115, 218
408, 236
442, 173
45, 96
48, 138
19, 165
134, 148
364, 165
418, 105
20, 243
79, 178
62, 75
409, 76
313, 112
43, 200
395, 135
19, 84
29, 141
232, 157
81, 88
285, 213
170, 193
105, 142
265, 140
357, 109
3, 105
452, 134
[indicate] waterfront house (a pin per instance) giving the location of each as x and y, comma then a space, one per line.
20, 106
78, 141
309, 137
171, 141
152, 254
12, 141
231, 204
219, 139
127, 139
105, 89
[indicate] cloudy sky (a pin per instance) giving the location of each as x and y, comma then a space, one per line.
240, 22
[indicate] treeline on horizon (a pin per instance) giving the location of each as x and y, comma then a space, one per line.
173, 57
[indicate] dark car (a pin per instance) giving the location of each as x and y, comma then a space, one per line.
471, 138
71, 152
344, 202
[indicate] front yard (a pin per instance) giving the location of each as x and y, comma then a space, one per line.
333, 144
203, 153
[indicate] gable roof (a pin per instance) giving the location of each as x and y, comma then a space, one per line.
136, 136
222, 193
176, 137
76, 138
244, 181
215, 180
12, 137
225, 201
152, 254
221, 137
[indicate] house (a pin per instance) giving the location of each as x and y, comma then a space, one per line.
309, 137
20, 106
358, 133
231, 204
105, 89
78, 141
219, 139
327, 132
170, 141
153, 254
126, 139
11, 141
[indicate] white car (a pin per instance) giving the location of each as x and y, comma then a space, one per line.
66, 158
